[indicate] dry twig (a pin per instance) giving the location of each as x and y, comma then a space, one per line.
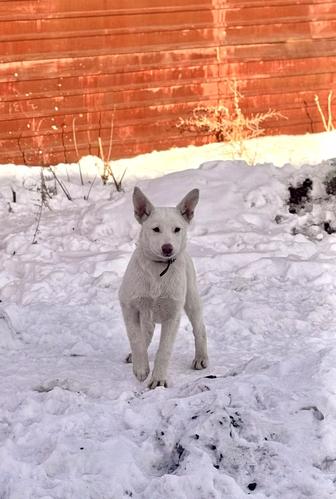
76, 148
107, 168
108, 172
328, 124
43, 202
62, 186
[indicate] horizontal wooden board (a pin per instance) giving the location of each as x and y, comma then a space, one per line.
56, 112
100, 63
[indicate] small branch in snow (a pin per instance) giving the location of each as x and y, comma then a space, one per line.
88, 194
315, 411
5, 317
13, 195
39, 216
62, 186
43, 202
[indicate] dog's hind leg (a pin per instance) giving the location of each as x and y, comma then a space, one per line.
138, 342
193, 309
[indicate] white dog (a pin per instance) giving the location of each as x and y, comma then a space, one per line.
159, 282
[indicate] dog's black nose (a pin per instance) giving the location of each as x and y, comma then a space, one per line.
167, 249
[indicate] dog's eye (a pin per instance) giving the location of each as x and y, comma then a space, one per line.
177, 229
156, 229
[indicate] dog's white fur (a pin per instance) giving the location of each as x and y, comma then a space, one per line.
147, 298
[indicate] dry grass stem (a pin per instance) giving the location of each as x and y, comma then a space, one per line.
62, 186
108, 172
76, 149
328, 124
45, 196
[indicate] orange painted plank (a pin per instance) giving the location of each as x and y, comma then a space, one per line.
29, 9
99, 64
290, 49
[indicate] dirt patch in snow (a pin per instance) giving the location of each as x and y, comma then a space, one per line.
315, 208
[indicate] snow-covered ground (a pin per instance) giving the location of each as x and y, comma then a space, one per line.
260, 421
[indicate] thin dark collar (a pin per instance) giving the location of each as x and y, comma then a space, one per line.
169, 262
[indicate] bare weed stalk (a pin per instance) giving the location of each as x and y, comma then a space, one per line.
327, 121
108, 172
45, 196
86, 198
13, 195
106, 159
22, 151
76, 149
62, 186
227, 124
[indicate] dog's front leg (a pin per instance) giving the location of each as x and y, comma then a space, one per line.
168, 333
195, 316
193, 309
137, 341
147, 328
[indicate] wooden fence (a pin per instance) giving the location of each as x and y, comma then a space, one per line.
75, 70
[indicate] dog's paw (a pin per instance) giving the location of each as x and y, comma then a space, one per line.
141, 372
128, 359
154, 383
200, 362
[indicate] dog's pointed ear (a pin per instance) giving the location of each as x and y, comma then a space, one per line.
142, 206
187, 205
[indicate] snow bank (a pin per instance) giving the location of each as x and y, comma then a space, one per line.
259, 422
